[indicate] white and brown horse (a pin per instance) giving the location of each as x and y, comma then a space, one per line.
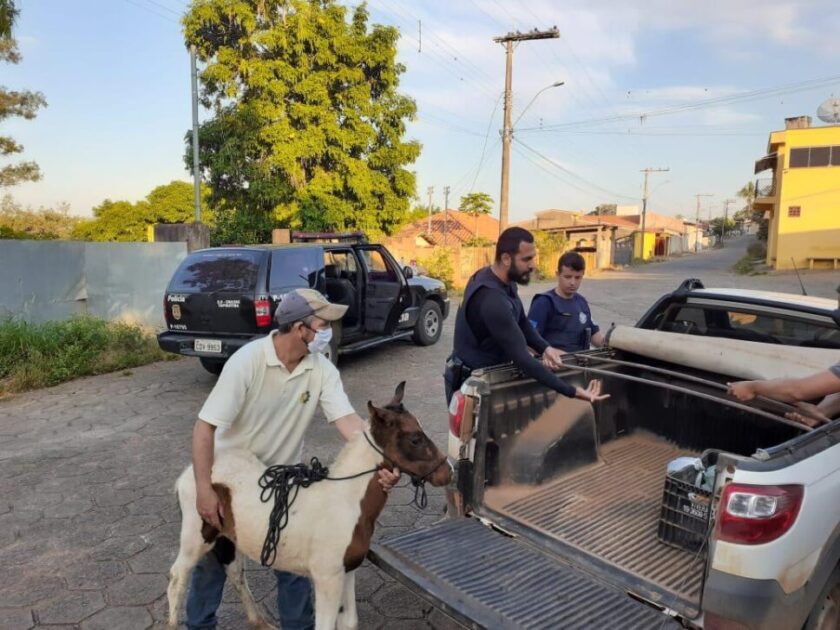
330, 523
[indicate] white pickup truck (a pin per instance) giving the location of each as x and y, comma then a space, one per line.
560, 515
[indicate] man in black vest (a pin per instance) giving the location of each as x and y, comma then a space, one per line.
491, 326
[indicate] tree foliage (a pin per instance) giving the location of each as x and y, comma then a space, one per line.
17, 222
127, 221
476, 203
307, 126
13, 103
605, 210
748, 194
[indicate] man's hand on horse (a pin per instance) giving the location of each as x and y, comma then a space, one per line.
388, 478
209, 506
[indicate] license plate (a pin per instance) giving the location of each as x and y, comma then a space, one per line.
207, 345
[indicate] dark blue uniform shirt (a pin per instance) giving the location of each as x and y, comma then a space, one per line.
565, 323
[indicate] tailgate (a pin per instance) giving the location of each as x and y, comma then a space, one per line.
484, 578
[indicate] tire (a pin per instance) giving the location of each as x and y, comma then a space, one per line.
825, 615
429, 324
214, 366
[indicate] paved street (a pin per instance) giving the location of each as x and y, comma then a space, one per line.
88, 521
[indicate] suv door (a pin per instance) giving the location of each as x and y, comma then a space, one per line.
386, 290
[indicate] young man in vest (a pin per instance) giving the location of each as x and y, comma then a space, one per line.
491, 327
562, 315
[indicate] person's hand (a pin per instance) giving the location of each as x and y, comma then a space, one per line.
553, 358
592, 393
389, 478
209, 507
742, 390
808, 414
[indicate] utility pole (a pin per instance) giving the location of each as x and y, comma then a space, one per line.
430, 191
697, 222
726, 203
445, 213
647, 171
507, 133
196, 174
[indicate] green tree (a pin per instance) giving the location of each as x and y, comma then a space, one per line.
605, 210
476, 204
307, 126
23, 104
126, 221
748, 194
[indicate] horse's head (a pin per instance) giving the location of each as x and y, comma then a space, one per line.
404, 444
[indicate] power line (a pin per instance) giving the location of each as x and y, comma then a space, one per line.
151, 10
700, 104
573, 174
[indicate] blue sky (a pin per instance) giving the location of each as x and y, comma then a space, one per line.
116, 76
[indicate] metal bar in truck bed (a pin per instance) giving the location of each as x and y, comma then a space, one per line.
690, 392
686, 377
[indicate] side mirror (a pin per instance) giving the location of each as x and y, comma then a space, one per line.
408, 272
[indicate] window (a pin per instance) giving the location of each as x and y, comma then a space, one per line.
814, 157
794, 211
378, 268
819, 156
798, 158
341, 264
746, 325
219, 270
294, 268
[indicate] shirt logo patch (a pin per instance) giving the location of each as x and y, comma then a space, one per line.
304, 398
582, 317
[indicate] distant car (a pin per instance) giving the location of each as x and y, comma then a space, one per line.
762, 316
219, 299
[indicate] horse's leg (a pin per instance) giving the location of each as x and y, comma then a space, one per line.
236, 574
348, 618
191, 550
328, 590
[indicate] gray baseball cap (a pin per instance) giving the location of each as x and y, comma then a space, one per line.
301, 303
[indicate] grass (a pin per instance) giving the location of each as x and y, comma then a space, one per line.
40, 355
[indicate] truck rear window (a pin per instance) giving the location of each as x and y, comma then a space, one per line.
750, 326
225, 270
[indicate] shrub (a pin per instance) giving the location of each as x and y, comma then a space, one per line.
439, 265
549, 248
40, 355
757, 250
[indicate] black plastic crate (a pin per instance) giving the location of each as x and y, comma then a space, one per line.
686, 510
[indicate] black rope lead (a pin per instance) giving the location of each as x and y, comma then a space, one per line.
282, 483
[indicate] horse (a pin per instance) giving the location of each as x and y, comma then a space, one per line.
330, 524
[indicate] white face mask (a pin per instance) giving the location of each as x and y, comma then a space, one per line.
321, 343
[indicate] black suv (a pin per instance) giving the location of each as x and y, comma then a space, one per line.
221, 298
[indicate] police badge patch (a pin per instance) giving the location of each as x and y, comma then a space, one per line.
304, 398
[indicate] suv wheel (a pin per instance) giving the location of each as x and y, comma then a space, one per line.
429, 325
826, 612
214, 366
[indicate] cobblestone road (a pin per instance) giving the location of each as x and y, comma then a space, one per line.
88, 522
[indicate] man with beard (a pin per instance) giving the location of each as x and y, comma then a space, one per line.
491, 326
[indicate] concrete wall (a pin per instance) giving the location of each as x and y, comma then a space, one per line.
53, 280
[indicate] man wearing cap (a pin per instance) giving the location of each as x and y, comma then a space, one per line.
263, 402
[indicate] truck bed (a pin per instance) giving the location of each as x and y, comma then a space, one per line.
610, 510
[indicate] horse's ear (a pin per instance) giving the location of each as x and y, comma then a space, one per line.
396, 401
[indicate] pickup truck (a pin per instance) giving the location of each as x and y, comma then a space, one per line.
221, 298
561, 515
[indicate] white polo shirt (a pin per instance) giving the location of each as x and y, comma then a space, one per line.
259, 406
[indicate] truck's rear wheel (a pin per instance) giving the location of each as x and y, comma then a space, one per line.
214, 366
429, 325
826, 612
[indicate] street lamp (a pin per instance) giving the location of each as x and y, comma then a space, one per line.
531, 102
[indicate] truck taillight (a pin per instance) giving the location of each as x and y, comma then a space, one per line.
753, 515
456, 413
262, 312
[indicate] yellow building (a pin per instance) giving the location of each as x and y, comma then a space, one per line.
801, 196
